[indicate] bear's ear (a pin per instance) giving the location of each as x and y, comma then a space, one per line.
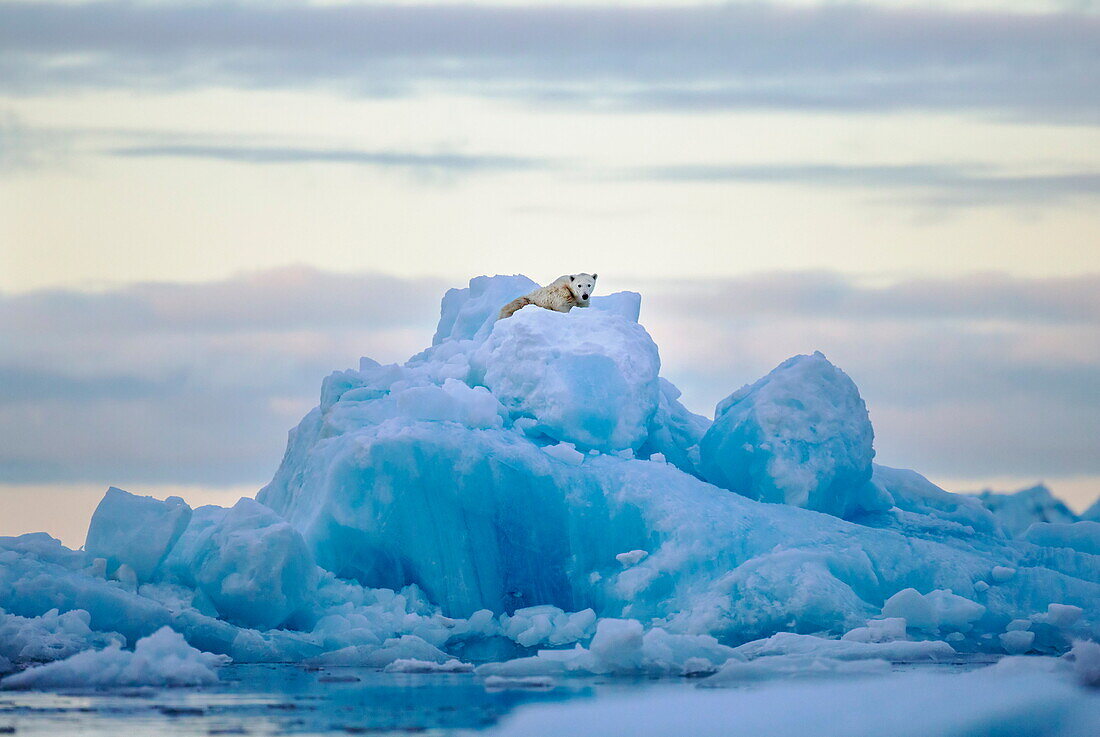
594, 277
573, 277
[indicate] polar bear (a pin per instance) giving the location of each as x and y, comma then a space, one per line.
565, 293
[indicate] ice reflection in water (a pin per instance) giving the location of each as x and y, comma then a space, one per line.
290, 699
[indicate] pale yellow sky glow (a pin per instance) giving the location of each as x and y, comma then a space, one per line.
94, 217
886, 152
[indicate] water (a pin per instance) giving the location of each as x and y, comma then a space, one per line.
291, 699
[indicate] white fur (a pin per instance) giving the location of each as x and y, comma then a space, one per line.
562, 295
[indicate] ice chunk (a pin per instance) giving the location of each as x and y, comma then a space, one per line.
1016, 642
1000, 574
631, 558
933, 611
627, 305
536, 665
406, 647
127, 576
799, 436
1083, 537
137, 531
1017, 511
255, 568
161, 659
1086, 662
736, 672
547, 625
618, 644
586, 377
1062, 615
566, 453
502, 683
178, 565
471, 312
878, 630
789, 643
428, 666
678, 654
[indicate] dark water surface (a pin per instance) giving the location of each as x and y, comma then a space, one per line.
290, 699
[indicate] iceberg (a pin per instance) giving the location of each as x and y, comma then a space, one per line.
1092, 514
917, 501
531, 495
1018, 510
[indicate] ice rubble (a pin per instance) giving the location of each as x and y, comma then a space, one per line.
621, 646
162, 659
51, 636
532, 491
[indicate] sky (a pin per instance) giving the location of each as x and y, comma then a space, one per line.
207, 207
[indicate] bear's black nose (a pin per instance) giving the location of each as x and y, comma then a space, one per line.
585, 297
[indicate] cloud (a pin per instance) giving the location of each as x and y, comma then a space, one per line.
285, 299
23, 148
955, 185
198, 383
982, 375
27, 385
976, 297
187, 383
940, 185
832, 57
439, 162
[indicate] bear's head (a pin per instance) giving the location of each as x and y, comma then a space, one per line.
582, 286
